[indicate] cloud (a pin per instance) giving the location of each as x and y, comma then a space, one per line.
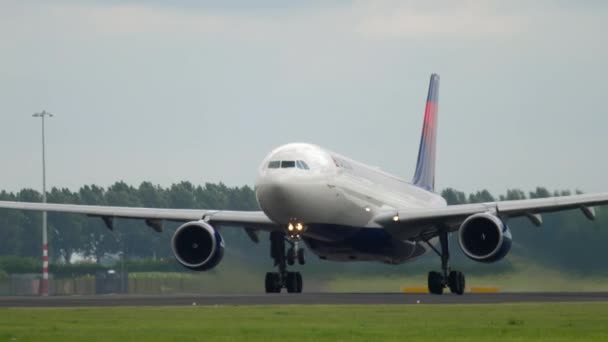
376, 20
472, 19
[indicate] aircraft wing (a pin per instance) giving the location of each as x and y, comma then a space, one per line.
452, 216
153, 216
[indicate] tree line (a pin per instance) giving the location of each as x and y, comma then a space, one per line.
566, 239
20, 231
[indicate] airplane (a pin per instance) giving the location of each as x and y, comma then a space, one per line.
344, 210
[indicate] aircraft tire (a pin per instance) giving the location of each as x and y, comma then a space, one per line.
291, 256
456, 282
272, 283
299, 282
291, 282
435, 283
301, 259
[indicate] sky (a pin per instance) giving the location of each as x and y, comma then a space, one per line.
165, 91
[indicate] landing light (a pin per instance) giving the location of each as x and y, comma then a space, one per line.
299, 226
396, 218
290, 227
367, 209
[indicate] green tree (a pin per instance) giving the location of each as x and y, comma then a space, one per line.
182, 196
453, 196
481, 197
130, 236
31, 225
540, 193
65, 230
10, 228
513, 195
98, 240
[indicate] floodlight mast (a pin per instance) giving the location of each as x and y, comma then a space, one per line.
44, 286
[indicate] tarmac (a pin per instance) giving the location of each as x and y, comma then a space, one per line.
301, 298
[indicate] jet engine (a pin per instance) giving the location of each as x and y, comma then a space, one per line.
197, 246
484, 237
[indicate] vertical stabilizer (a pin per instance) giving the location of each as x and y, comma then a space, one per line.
425, 168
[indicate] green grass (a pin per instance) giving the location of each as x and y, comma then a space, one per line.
550, 322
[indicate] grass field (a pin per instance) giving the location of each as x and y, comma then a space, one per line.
550, 322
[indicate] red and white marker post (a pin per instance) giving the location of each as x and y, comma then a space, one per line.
44, 286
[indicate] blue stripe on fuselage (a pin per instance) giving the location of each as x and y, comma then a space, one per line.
359, 243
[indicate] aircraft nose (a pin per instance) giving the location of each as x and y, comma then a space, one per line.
287, 199
279, 199
272, 194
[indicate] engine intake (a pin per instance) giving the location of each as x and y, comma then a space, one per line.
197, 246
485, 238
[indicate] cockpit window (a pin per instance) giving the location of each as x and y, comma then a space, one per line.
287, 164
302, 165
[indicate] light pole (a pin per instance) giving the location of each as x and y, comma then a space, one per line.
44, 289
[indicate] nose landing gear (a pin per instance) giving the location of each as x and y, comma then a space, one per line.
292, 281
295, 253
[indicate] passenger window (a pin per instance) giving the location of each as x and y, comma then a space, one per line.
303, 165
275, 164
287, 164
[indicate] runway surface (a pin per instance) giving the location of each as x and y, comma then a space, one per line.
303, 298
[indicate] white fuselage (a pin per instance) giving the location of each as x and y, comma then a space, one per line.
308, 184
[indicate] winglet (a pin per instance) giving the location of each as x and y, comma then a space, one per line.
425, 167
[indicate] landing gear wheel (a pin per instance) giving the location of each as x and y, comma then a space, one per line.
301, 260
291, 256
292, 284
299, 282
273, 282
435, 281
456, 282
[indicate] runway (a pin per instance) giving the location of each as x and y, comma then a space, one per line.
295, 299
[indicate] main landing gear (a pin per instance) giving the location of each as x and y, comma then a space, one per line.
454, 280
292, 281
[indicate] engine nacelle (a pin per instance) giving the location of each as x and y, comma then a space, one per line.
197, 246
484, 237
